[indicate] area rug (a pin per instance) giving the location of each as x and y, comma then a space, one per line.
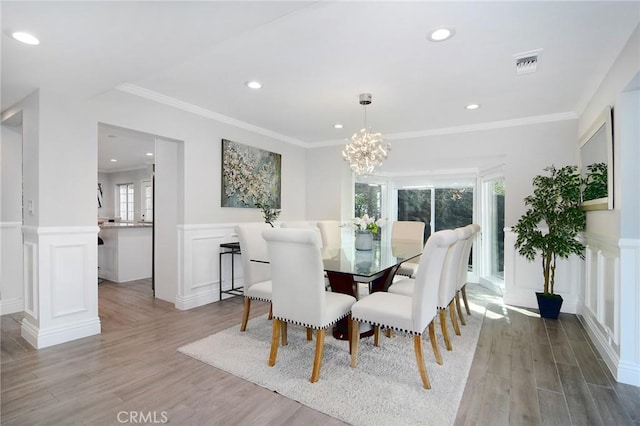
385, 387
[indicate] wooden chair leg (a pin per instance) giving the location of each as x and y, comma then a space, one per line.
309, 334
349, 330
376, 335
245, 313
271, 311
355, 339
459, 309
434, 343
464, 297
317, 361
417, 344
454, 321
389, 333
275, 337
445, 333
283, 330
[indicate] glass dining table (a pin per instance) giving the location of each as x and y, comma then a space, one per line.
346, 267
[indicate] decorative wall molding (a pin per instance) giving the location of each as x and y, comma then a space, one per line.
61, 290
11, 278
11, 306
609, 302
198, 263
629, 365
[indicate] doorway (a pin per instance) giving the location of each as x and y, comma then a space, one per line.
151, 163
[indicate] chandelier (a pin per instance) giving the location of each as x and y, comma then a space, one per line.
365, 150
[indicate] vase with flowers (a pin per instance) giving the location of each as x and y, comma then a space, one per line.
365, 227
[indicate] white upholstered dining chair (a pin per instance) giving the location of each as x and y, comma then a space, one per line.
448, 285
408, 232
257, 276
409, 314
331, 233
299, 295
462, 273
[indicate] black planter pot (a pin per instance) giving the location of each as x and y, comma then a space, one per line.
549, 305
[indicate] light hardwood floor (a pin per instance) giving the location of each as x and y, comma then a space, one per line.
525, 371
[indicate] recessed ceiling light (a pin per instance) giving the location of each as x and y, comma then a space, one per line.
149, 154
253, 85
473, 106
441, 34
26, 38
113, 160
337, 126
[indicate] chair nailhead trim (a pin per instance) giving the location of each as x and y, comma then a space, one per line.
261, 299
315, 327
388, 326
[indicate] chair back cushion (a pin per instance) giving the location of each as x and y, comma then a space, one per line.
331, 233
253, 246
301, 224
427, 281
407, 231
297, 275
451, 268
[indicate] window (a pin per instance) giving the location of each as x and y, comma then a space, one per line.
415, 205
494, 200
126, 201
368, 200
440, 208
147, 200
445, 201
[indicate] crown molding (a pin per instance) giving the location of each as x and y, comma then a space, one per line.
135, 90
549, 118
185, 106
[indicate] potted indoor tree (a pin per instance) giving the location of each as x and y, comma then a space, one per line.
555, 203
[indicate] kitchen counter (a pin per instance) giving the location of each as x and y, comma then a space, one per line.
126, 254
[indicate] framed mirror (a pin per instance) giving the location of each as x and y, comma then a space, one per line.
596, 163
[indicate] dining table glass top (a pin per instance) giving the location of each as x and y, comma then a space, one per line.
367, 263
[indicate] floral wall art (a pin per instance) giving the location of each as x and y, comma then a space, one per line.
250, 176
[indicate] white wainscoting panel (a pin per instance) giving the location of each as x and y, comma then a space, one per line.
522, 279
62, 288
30, 270
11, 275
198, 264
609, 305
629, 318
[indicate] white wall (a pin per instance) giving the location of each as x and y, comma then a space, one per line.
202, 155
11, 287
609, 304
524, 150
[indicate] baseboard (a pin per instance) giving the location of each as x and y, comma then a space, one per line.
491, 285
607, 353
39, 338
629, 373
202, 297
11, 306
526, 298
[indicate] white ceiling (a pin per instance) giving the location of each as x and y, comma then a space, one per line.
315, 58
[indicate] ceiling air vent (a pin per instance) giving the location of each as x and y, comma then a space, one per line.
527, 62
